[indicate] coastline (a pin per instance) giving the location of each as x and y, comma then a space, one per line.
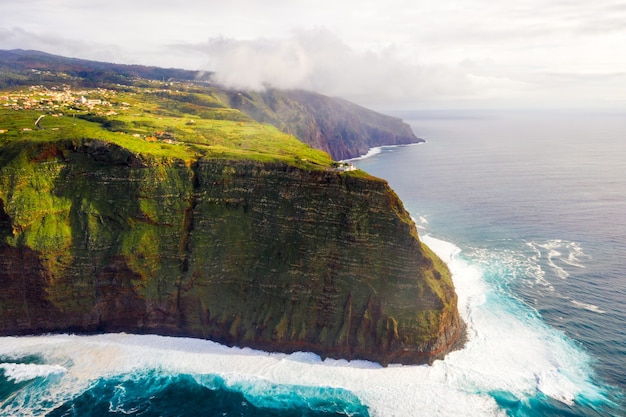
378, 149
70, 359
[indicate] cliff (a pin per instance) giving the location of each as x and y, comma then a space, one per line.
343, 129
96, 236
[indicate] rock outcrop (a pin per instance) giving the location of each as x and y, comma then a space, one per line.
95, 238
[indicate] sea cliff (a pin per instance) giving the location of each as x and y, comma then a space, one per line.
343, 129
96, 237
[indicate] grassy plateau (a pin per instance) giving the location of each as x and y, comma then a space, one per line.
173, 120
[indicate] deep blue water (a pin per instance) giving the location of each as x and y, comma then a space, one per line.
529, 211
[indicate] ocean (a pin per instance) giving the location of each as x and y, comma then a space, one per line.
529, 211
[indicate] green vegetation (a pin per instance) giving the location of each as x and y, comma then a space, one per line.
166, 120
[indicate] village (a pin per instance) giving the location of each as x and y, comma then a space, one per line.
55, 99
59, 101
93, 104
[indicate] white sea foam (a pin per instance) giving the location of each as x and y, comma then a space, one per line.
370, 152
511, 265
589, 307
560, 255
509, 349
20, 372
378, 149
539, 274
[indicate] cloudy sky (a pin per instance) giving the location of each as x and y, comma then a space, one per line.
388, 54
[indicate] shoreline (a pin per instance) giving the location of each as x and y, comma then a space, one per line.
459, 337
378, 149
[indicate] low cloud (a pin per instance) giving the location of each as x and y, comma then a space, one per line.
318, 60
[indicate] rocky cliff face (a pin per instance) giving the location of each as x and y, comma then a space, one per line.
94, 238
343, 129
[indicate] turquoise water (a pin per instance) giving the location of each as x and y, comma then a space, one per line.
149, 376
528, 211
154, 393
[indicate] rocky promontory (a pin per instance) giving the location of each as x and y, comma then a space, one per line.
97, 238
131, 204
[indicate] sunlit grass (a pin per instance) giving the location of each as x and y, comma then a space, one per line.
172, 124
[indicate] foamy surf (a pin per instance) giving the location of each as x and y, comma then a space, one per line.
21, 372
561, 255
510, 360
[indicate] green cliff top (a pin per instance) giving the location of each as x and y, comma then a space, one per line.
150, 119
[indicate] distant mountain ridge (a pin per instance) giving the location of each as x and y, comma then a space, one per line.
24, 60
343, 129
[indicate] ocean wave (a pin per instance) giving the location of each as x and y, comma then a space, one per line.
21, 372
155, 392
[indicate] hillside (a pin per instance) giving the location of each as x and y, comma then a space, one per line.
338, 127
23, 67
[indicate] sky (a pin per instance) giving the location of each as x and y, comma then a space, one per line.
391, 54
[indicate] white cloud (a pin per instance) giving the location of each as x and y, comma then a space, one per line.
390, 53
318, 60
